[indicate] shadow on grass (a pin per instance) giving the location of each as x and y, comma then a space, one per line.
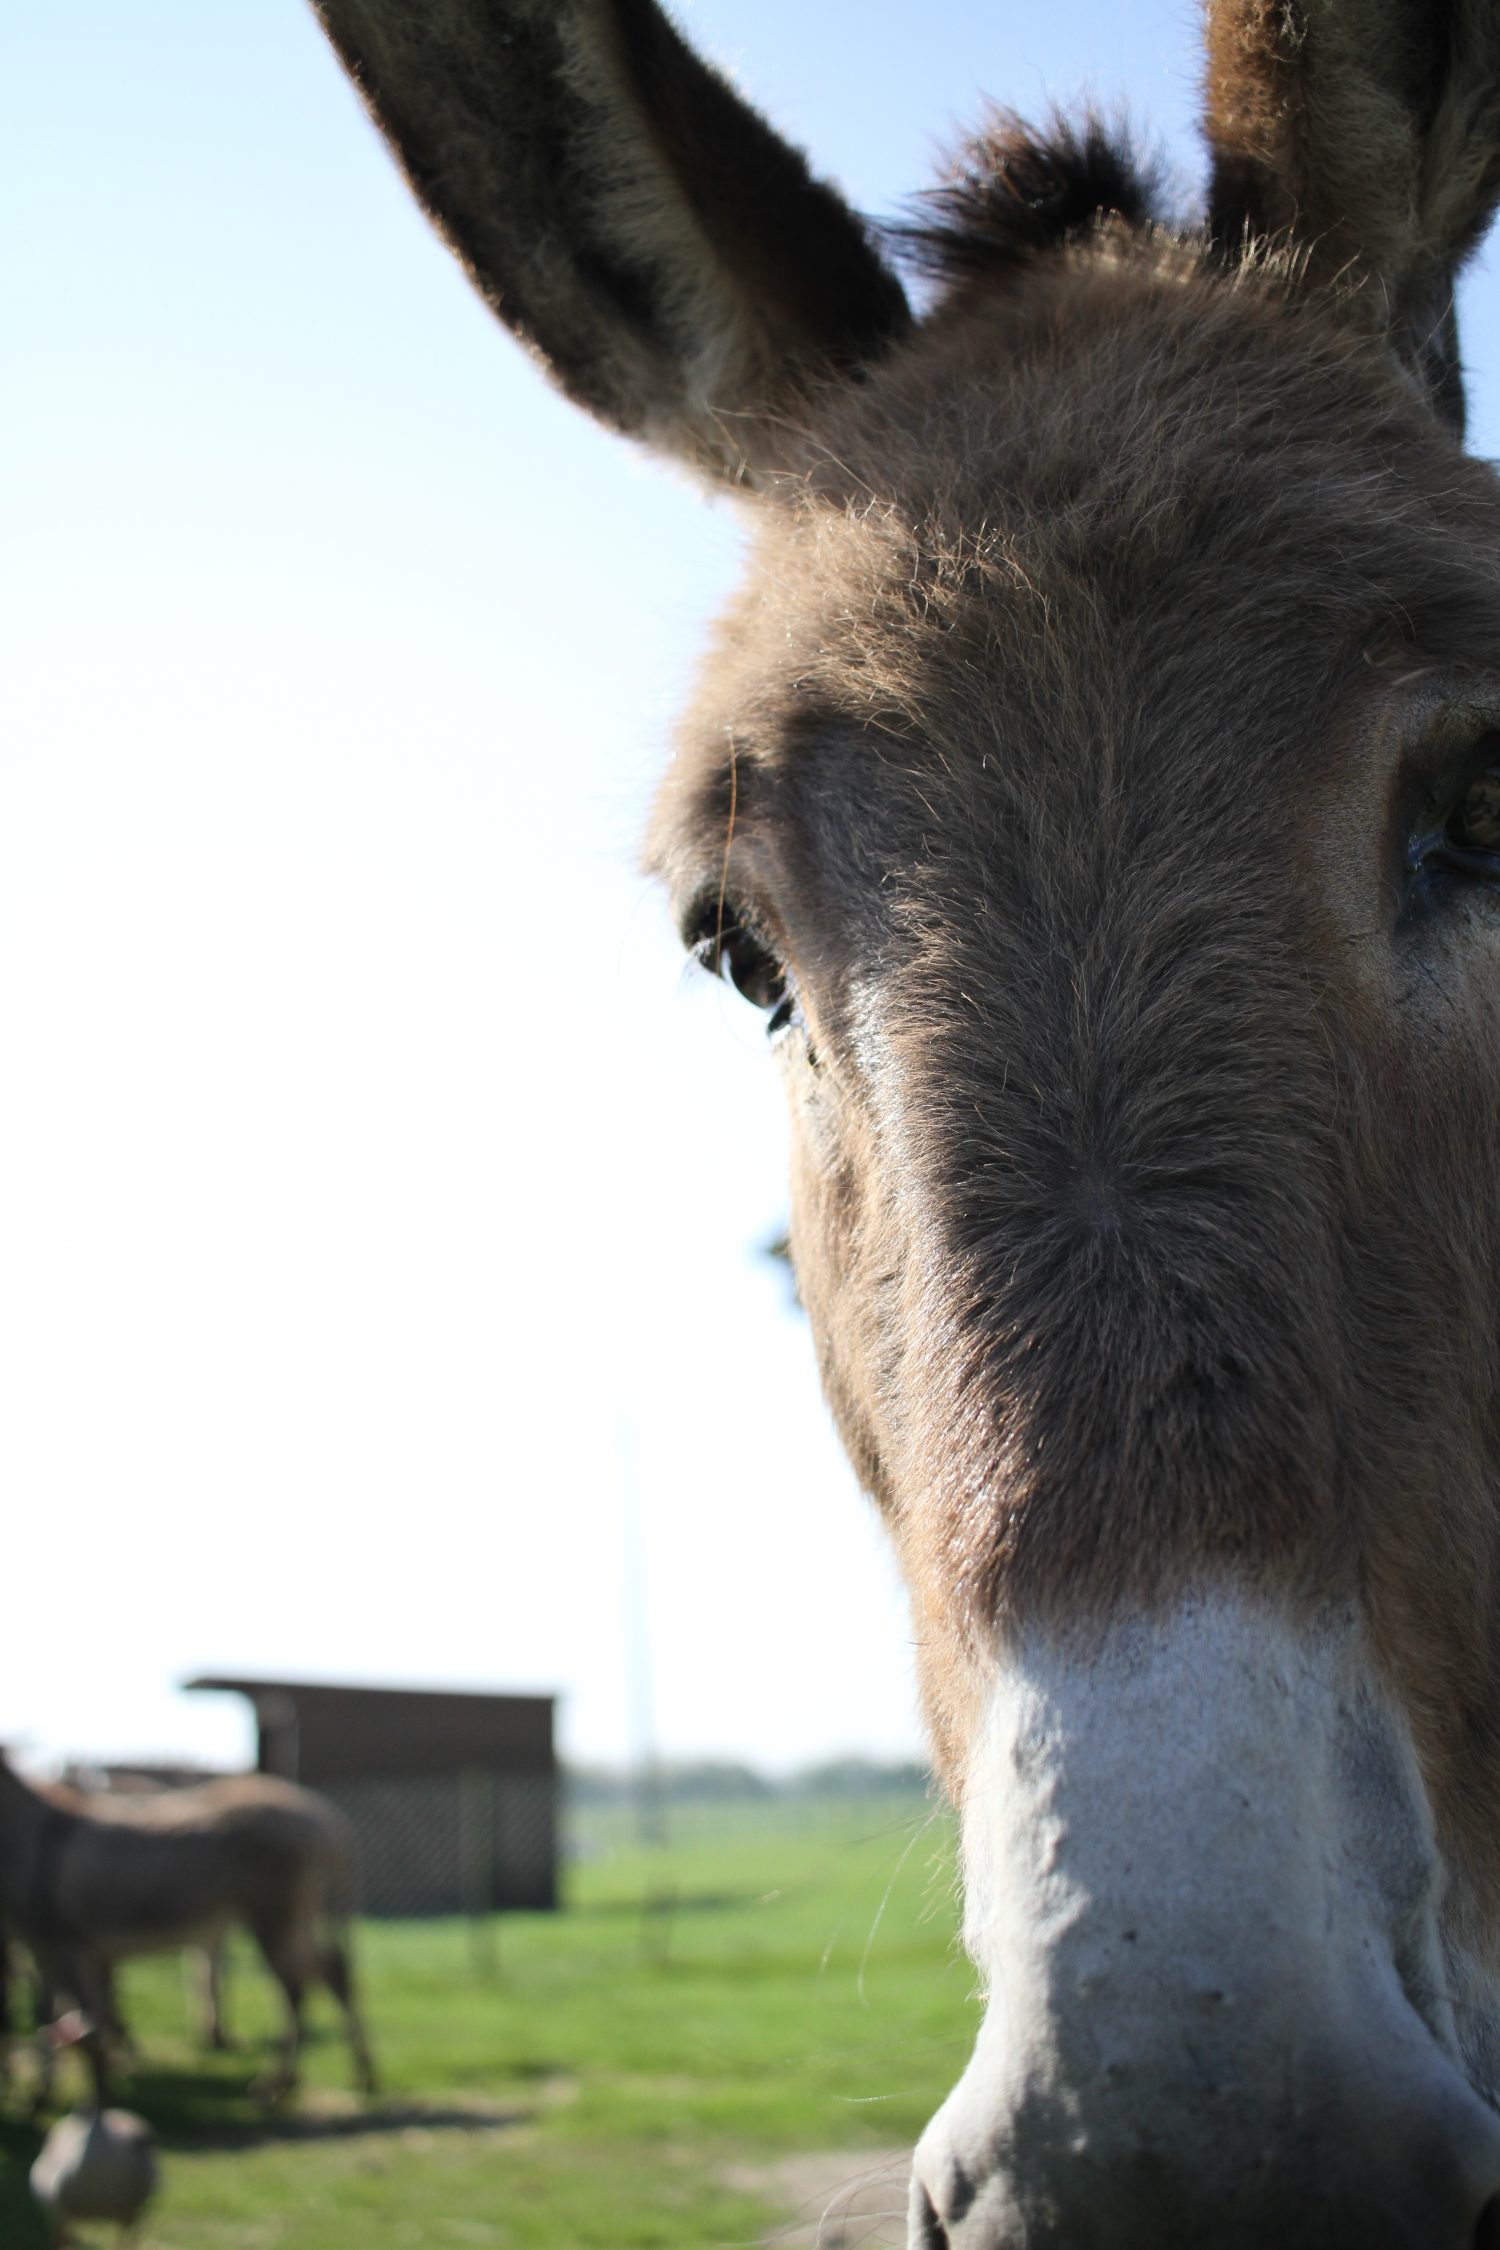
187, 2110
292, 2126
190, 2113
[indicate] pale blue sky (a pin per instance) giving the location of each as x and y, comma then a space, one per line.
365, 1154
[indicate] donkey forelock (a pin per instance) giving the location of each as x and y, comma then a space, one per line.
1097, 783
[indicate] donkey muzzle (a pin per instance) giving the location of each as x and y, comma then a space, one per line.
1205, 1894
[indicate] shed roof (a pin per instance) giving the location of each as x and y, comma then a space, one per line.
343, 1731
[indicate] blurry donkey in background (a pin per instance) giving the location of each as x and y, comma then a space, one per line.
1098, 786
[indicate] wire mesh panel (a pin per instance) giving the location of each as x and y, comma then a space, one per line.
462, 1843
408, 1837
525, 1863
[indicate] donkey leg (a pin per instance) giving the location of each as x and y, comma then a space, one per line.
338, 1974
281, 2078
46, 2005
285, 1953
72, 1976
91, 1980
206, 1969
118, 2036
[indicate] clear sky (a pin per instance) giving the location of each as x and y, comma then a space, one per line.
379, 1198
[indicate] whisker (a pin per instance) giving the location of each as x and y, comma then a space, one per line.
918, 1831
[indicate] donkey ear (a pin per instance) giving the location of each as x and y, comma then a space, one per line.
673, 264
1366, 133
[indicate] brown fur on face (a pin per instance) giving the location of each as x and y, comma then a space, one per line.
1111, 630
1120, 1276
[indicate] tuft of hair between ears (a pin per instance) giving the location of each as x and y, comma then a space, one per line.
1016, 193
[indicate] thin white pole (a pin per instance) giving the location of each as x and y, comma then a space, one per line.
651, 1812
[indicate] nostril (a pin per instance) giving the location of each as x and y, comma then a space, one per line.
1487, 2232
925, 2230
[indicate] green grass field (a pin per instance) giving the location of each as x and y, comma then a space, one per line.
710, 2038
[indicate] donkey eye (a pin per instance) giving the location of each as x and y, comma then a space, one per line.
755, 974
1474, 823
1460, 837
738, 956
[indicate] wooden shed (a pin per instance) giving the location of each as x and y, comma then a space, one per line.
452, 1795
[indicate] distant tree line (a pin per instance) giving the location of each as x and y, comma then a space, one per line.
704, 1781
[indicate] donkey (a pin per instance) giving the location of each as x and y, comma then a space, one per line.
1097, 788
181, 1868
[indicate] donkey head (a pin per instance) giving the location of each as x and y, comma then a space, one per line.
1097, 784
